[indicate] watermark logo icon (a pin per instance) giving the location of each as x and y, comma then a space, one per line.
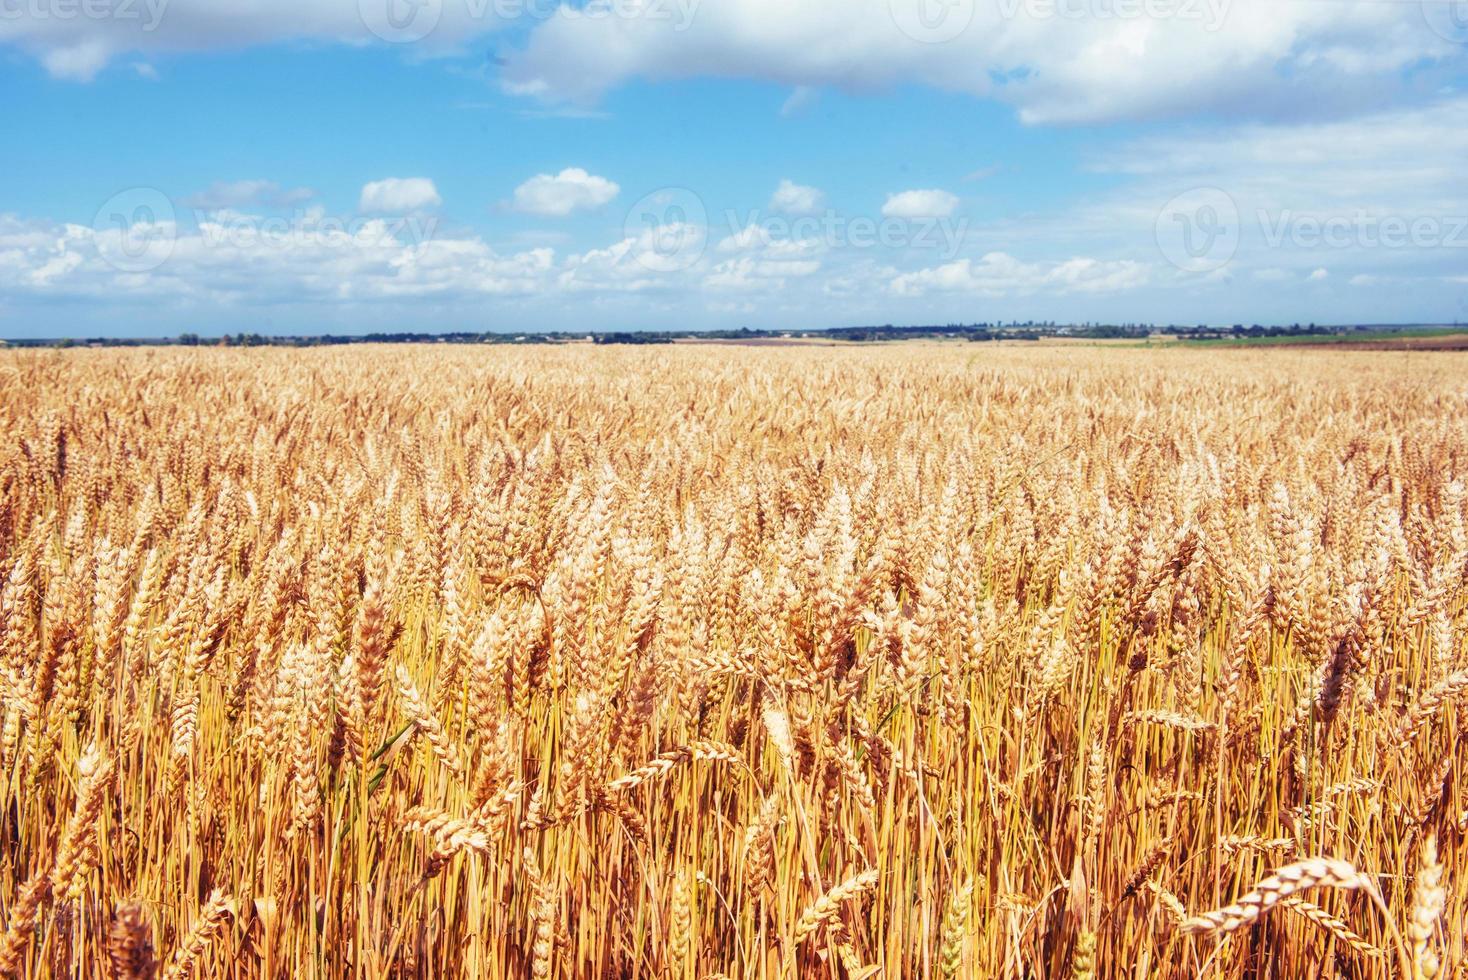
932, 21
1198, 231
400, 21
1208, 14
1448, 18
136, 229
670, 228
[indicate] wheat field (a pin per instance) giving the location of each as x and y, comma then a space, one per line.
910, 661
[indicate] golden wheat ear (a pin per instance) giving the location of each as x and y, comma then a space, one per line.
1269, 892
1429, 898
130, 943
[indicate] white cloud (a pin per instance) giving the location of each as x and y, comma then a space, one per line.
920, 204
760, 240
239, 259
1399, 164
236, 258
1054, 64
313, 273
77, 47
78, 62
1364, 162
399, 195
801, 99
1287, 182
793, 198
762, 260
639, 264
752, 236
746, 273
55, 267
573, 189
1000, 274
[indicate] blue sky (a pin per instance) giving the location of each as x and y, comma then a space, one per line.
514, 165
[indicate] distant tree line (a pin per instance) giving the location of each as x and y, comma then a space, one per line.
979, 332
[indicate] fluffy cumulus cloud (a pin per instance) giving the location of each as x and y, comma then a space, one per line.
230, 259
239, 259
399, 195
771, 243
1055, 60
749, 273
309, 272
920, 204
1310, 202
558, 195
233, 259
756, 258
797, 199
998, 274
75, 41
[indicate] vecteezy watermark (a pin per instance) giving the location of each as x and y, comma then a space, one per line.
834, 230
938, 21
1211, 14
932, 21
670, 229
400, 21
136, 230
1198, 231
148, 13
407, 21
1448, 18
311, 230
1361, 229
